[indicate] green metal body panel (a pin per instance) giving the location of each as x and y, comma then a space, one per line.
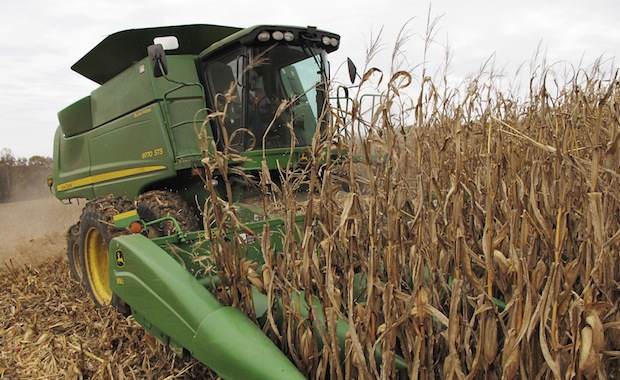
136, 87
157, 286
185, 119
71, 155
274, 157
143, 130
137, 141
77, 118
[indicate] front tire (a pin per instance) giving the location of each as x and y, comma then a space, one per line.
96, 231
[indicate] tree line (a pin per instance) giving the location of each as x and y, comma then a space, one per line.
23, 178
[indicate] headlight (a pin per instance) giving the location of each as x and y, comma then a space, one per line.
278, 36
264, 36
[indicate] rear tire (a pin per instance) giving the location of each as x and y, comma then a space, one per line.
96, 231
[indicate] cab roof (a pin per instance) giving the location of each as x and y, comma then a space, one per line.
120, 50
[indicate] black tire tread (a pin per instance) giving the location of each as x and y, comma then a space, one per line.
157, 204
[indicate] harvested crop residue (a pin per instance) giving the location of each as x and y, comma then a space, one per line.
49, 328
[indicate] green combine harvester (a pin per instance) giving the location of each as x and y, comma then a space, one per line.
169, 99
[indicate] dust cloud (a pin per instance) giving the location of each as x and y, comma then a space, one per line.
33, 231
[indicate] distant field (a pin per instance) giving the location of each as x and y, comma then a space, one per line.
33, 231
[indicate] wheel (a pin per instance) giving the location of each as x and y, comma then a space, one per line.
73, 252
96, 231
157, 204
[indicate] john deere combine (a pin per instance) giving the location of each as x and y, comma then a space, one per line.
170, 100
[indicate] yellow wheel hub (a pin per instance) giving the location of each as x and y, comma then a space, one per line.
96, 263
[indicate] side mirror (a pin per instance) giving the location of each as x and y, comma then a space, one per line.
157, 55
352, 70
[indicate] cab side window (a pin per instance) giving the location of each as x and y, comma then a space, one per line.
225, 92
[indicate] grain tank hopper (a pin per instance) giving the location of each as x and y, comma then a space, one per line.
168, 99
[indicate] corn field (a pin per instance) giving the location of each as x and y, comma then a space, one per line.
479, 241
459, 234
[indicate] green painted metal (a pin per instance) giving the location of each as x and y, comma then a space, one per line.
116, 97
71, 163
274, 157
123, 154
228, 337
138, 140
76, 118
170, 300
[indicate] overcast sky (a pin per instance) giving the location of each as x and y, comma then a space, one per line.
41, 39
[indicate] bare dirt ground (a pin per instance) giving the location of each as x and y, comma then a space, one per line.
34, 231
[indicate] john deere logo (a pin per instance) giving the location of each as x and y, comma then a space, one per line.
120, 259
303, 158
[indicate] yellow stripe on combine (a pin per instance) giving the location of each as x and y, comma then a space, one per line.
125, 215
107, 177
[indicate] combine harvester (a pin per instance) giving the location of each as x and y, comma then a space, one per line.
150, 149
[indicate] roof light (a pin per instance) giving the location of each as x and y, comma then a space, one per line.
264, 36
289, 36
167, 42
334, 42
277, 35
326, 40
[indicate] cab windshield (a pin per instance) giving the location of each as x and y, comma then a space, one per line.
272, 97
